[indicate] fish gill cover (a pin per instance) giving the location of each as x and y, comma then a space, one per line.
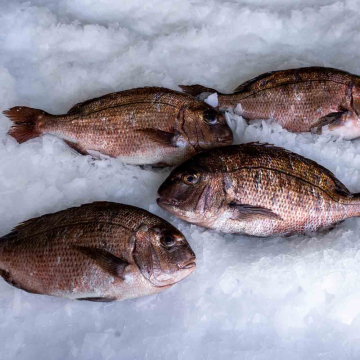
249, 298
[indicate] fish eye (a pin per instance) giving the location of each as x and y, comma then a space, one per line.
191, 179
210, 117
168, 241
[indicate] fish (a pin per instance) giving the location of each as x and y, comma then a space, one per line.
101, 251
257, 189
309, 99
142, 126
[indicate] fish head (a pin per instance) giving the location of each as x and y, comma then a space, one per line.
204, 127
163, 254
193, 193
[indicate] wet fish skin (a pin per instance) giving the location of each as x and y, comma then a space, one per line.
300, 100
155, 126
101, 251
257, 189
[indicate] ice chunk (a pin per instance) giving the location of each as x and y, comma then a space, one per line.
212, 100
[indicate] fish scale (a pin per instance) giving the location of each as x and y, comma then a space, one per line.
257, 189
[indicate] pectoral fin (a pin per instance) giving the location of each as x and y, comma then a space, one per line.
107, 261
334, 117
160, 137
345, 125
250, 212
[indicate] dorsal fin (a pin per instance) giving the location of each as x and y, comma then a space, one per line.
80, 106
94, 211
13, 234
153, 95
247, 83
76, 108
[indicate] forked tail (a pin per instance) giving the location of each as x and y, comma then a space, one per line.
26, 122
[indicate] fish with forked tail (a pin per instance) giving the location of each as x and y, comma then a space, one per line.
309, 99
154, 126
257, 189
99, 252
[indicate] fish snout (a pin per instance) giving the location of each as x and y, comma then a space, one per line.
167, 195
224, 134
226, 137
163, 201
189, 264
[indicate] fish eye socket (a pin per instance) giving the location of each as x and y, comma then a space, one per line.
168, 241
210, 117
191, 179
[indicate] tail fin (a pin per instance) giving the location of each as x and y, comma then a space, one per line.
25, 122
197, 90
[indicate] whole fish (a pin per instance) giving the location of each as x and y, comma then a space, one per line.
300, 100
257, 189
141, 126
99, 252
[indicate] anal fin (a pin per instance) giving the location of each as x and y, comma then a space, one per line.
251, 212
76, 147
98, 299
107, 261
160, 137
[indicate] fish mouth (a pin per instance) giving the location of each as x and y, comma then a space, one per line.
188, 264
166, 202
226, 139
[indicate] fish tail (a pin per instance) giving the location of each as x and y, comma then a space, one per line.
26, 122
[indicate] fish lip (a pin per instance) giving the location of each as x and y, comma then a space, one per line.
226, 140
188, 264
163, 201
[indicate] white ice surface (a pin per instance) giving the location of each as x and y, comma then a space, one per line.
294, 298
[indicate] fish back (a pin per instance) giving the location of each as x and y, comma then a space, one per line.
153, 95
233, 158
274, 79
